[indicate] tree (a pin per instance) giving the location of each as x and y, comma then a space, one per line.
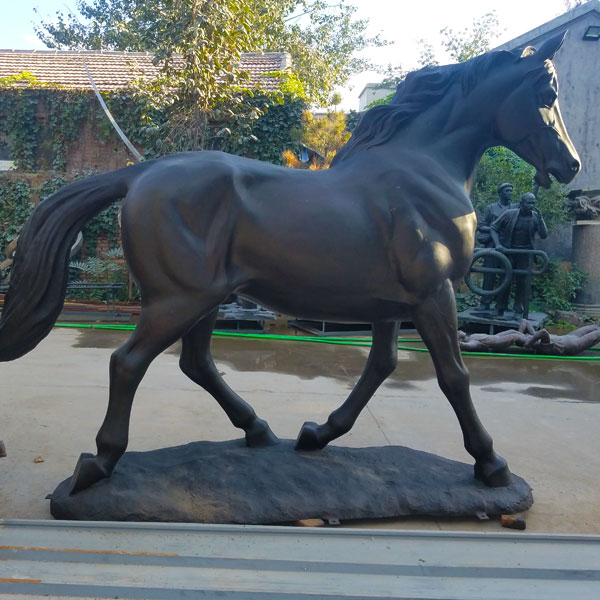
471, 41
499, 165
199, 44
326, 135
201, 98
392, 76
571, 4
322, 38
427, 56
335, 100
461, 46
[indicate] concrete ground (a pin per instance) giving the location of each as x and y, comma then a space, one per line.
543, 416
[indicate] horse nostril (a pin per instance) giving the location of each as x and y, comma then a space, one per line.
575, 166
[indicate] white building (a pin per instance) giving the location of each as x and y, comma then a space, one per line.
372, 92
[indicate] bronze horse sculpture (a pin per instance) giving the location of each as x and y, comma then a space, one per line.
379, 237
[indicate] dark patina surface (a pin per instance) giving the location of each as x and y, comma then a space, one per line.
379, 237
224, 482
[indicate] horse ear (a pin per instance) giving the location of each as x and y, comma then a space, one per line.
550, 47
528, 51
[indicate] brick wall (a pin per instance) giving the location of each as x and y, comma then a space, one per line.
91, 152
35, 180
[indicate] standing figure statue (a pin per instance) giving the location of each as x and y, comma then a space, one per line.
491, 213
515, 229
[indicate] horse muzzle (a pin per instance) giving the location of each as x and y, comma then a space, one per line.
559, 159
566, 171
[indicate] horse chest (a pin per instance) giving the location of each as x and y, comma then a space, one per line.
426, 253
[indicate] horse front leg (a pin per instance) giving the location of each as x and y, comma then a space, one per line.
382, 361
435, 320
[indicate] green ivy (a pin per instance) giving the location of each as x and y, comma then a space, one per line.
20, 126
15, 207
67, 112
106, 223
39, 122
271, 134
51, 185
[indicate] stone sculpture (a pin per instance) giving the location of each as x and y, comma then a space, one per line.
584, 204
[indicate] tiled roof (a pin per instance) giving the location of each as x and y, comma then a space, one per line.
115, 70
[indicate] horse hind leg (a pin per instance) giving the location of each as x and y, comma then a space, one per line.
197, 363
382, 361
160, 325
435, 319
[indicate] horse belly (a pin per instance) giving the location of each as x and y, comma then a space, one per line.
325, 277
306, 303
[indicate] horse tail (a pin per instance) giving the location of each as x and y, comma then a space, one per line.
40, 271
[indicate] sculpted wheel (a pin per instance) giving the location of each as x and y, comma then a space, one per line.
504, 269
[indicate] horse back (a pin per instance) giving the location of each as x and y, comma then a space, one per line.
211, 219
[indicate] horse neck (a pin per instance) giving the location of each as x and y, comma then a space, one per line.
453, 132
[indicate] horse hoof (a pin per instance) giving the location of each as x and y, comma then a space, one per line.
309, 437
87, 472
260, 435
493, 472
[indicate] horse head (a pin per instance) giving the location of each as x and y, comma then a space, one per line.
529, 122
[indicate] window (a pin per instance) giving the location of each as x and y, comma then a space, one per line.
6, 161
592, 33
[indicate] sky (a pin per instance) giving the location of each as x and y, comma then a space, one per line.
398, 21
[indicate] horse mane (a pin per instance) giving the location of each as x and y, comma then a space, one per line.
420, 90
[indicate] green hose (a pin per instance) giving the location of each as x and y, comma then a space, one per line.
342, 341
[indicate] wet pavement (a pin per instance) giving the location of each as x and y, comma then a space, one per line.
543, 415
561, 380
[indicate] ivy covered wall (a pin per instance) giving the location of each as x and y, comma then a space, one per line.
55, 135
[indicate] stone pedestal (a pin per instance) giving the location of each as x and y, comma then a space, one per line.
226, 482
586, 256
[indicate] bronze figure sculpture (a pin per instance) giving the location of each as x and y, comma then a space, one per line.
490, 214
379, 237
498, 342
568, 344
541, 341
516, 229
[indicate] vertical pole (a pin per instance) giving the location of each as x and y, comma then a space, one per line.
109, 116
527, 290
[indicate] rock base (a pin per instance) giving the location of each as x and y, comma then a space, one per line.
226, 482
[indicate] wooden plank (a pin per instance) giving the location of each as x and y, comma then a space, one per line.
144, 560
